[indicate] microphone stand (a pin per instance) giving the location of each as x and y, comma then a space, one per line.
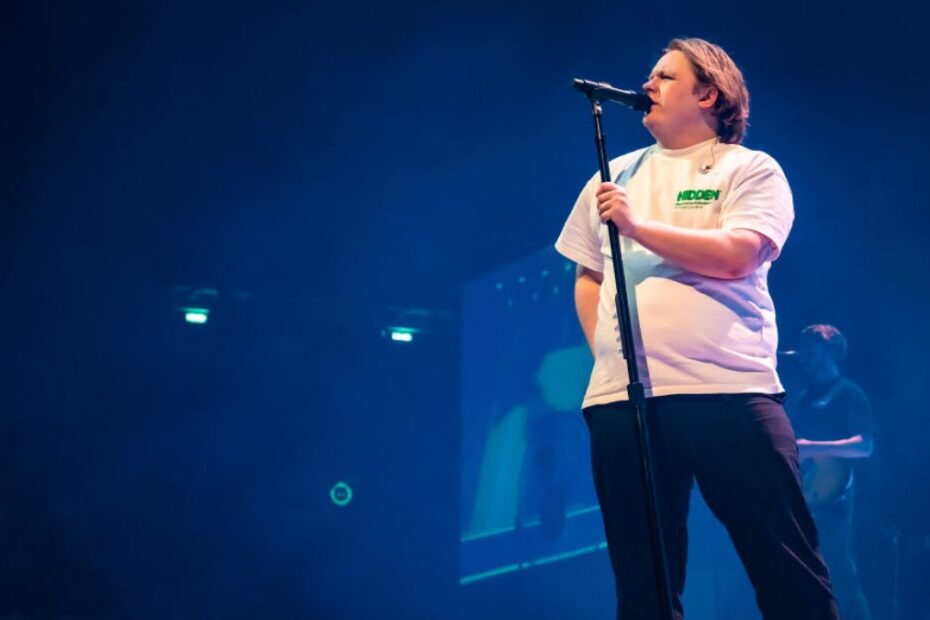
635, 390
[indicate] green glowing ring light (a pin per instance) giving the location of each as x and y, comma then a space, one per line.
341, 494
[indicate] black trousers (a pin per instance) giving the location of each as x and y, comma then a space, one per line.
741, 450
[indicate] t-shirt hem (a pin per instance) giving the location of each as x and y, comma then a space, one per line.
721, 388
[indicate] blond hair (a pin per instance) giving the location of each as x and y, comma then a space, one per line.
714, 67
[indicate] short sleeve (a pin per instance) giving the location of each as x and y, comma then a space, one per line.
859, 413
760, 200
579, 240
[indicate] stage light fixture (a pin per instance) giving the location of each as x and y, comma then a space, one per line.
404, 324
341, 494
197, 316
397, 333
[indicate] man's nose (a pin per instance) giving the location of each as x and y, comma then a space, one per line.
648, 86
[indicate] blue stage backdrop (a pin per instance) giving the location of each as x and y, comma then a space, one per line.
334, 170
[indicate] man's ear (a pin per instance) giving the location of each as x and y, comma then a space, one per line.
708, 98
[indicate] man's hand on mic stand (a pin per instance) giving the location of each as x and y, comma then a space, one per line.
613, 205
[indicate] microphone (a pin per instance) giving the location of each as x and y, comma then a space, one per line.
602, 91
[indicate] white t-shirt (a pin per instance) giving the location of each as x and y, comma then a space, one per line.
694, 334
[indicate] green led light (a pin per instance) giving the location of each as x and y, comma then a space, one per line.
341, 494
400, 334
197, 316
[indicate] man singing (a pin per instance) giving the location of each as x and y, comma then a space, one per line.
701, 220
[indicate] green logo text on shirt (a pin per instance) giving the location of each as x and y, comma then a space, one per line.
696, 198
